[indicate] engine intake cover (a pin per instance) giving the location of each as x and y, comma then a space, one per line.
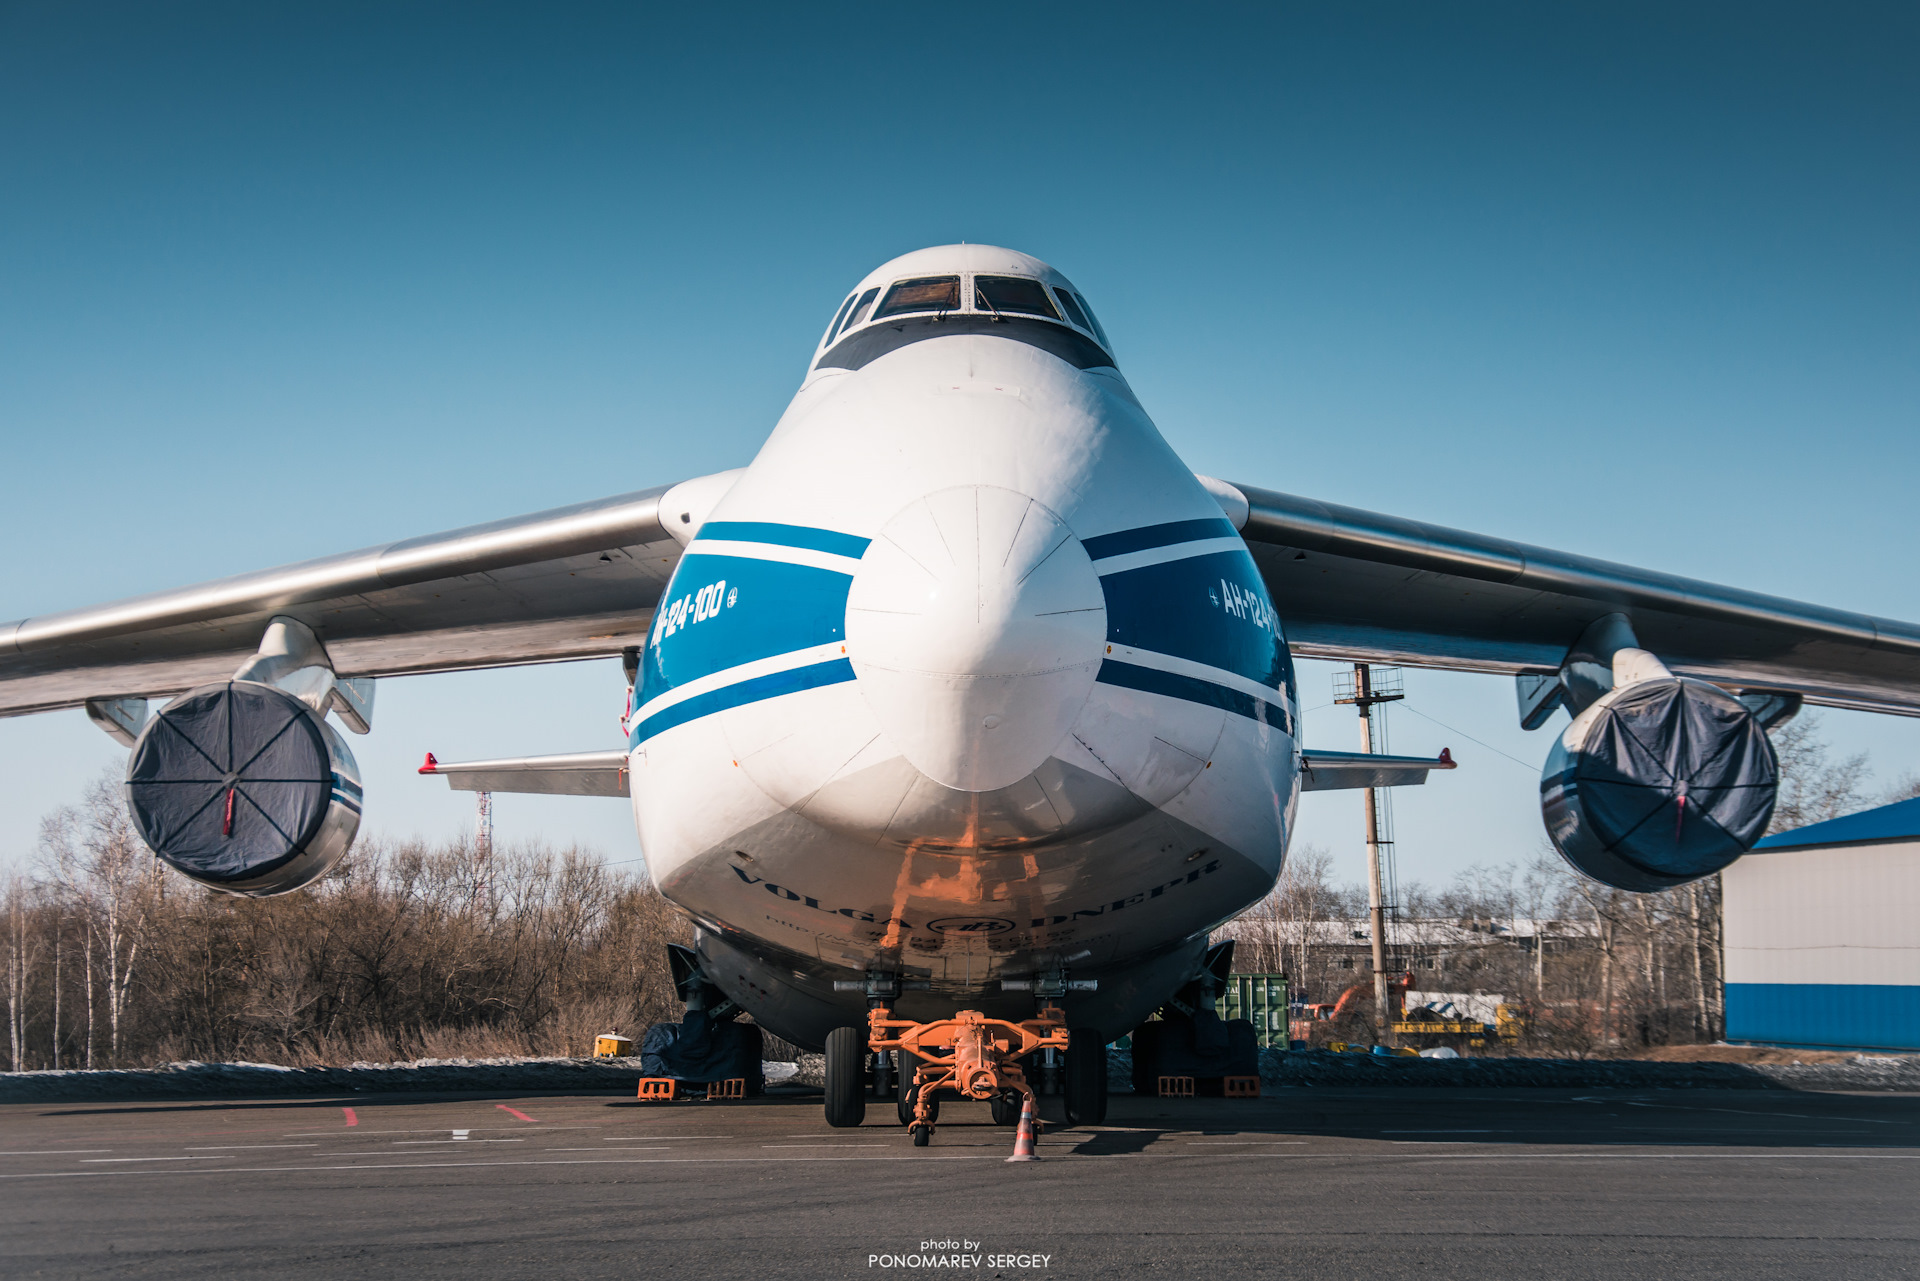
243, 787
1659, 783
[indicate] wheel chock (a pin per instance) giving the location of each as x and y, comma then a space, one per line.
735, 1088
656, 1089
1241, 1087
1176, 1087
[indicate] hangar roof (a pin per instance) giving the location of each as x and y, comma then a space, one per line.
1899, 821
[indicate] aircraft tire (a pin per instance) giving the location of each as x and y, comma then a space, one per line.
1086, 1085
1006, 1108
846, 1077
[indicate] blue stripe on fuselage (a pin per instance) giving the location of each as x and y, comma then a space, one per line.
1194, 690
752, 609
760, 531
771, 685
1210, 609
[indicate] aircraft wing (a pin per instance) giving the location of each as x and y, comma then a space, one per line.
570, 774
1336, 771
1354, 584
574, 582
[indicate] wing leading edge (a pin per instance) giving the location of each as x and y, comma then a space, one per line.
573, 582
1355, 584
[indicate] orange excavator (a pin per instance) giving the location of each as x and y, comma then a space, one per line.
1362, 991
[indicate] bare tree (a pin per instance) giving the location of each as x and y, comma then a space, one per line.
102, 866
1813, 786
16, 970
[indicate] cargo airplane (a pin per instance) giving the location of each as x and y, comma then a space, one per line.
960, 715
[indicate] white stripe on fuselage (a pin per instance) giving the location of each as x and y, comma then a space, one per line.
777, 552
744, 672
1161, 555
1199, 671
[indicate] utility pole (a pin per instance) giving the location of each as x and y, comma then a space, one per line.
483, 844
1363, 697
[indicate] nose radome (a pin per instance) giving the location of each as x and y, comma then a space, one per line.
976, 625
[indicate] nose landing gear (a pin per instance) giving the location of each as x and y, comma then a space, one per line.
974, 1056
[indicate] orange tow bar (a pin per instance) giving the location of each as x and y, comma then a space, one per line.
974, 1056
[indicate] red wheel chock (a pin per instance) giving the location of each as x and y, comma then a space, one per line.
1241, 1087
736, 1088
1176, 1087
656, 1089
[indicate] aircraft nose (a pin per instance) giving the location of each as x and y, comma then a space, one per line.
976, 625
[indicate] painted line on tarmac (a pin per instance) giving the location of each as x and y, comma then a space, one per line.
1055, 1155
57, 1152
249, 1147
1798, 1116
353, 1118
515, 1112
425, 1129
488, 1165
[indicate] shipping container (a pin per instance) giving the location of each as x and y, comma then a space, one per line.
1260, 999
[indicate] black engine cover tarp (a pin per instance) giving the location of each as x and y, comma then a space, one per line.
259, 743
1673, 781
1204, 1048
699, 1050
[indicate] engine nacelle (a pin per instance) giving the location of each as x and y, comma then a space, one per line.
1659, 782
244, 788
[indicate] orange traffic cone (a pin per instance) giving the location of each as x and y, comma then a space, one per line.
1023, 1138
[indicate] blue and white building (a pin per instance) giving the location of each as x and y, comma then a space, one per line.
1822, 941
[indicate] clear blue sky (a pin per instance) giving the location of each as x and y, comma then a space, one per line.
278, 280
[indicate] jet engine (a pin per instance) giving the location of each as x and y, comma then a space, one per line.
1659, 780
245, 788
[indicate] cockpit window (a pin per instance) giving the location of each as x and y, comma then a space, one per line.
1012, 293
1072, 306
833, 326
1093, 321
859, 311
929, 293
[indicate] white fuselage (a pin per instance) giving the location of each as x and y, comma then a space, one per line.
966, 677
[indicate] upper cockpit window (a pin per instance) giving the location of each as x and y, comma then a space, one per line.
1068, 297
1072, 306
1012, 293
859, 312
833, 326
929, 293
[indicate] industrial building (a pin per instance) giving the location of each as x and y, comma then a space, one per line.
1822, 945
